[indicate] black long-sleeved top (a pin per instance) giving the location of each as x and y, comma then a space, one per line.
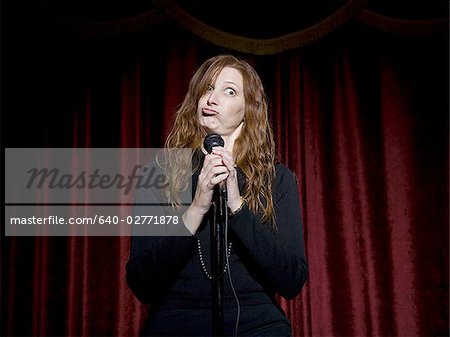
166, 270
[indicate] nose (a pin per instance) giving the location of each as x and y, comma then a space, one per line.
212, 98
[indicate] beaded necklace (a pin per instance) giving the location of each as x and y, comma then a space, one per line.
202, 262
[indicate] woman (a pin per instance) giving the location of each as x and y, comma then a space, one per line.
266, 250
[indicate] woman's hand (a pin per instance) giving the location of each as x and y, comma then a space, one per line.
213, 172
218, 166
234, 196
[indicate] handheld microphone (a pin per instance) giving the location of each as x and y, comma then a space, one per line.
209, 142
218, 242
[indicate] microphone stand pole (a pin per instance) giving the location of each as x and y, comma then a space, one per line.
218, 250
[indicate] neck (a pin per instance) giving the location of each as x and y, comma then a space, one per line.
231, 138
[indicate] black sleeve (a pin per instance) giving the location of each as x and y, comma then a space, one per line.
155, 263
280, 253
157, 258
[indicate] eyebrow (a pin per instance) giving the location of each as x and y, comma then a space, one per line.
231, 82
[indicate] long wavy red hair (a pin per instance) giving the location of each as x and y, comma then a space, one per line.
254, 149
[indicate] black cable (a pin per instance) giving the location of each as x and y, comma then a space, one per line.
238, 314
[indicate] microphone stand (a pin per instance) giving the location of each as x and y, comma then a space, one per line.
218, 250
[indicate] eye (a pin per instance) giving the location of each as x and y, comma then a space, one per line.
230, 91
210, 88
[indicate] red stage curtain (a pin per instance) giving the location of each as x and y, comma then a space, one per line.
362, 120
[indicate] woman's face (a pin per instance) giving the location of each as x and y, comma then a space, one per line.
221, 109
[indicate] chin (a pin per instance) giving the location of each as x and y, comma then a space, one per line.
210, 128
211, 131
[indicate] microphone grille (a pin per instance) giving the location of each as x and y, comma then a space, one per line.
212, 140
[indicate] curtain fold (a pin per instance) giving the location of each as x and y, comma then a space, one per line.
399, 187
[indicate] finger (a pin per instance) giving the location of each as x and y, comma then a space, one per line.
218, 178
212, 170
212, 160
208, 165
221, 151
216, 170
228, 161
226, 156
210, 182
207, 177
